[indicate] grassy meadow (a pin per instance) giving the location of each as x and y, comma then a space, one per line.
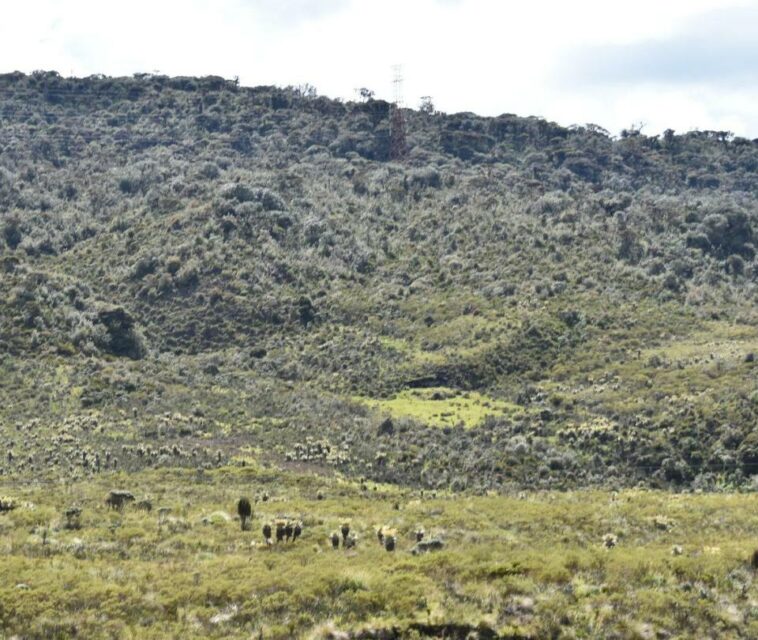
578, 564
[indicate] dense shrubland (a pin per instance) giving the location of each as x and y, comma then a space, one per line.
253, 258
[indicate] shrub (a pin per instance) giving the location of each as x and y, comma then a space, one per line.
173, 264
426, 177
121, 337
735, 265
12, 232
728, 232
266, 198
188, 275
209, 171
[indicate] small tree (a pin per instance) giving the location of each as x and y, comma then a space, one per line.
426, 105
366, 94
307, 90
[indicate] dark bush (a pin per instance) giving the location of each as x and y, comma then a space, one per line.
12, 232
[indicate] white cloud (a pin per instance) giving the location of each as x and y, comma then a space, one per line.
487, 56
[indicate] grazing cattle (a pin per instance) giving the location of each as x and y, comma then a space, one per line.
335, 538
389, 543
345, 532
419, 535
754, 560
144, 505
267, 532
280, 530
297, 531
288, 530
117, 499
245, 511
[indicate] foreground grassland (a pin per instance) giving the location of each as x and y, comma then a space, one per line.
532, 565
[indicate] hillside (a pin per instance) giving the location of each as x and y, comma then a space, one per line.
198, 274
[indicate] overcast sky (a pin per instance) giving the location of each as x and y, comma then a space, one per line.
684, 64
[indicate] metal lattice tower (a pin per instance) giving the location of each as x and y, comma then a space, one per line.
398, 146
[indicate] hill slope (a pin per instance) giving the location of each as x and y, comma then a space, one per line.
194, 272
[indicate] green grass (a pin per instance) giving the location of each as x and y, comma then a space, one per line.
532, 566
441, 406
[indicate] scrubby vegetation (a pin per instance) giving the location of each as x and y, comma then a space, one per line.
588, 303
196, 277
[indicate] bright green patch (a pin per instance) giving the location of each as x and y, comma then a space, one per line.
441, 406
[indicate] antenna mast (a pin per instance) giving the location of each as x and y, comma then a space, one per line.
398, 145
